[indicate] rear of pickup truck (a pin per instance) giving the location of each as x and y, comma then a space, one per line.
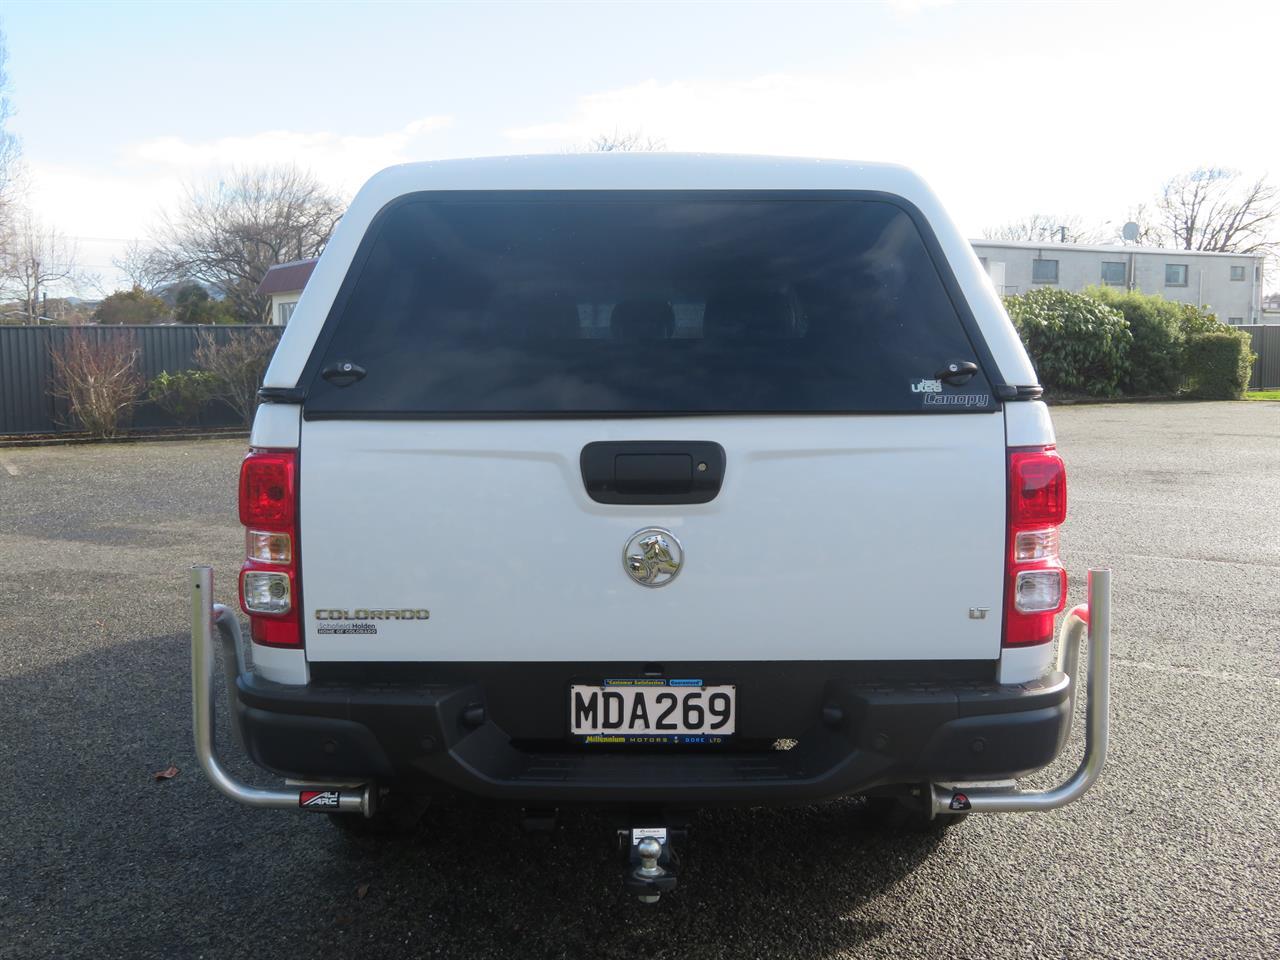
651, 491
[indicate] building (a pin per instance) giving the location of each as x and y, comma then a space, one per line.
1228, 283
283, 284
1271, 310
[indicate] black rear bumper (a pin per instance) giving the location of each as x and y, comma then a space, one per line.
500, 731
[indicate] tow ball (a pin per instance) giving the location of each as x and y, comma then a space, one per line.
651, 862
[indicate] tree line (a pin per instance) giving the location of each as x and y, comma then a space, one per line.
1208, 209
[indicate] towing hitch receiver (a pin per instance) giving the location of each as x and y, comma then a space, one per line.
207, 616
651, 863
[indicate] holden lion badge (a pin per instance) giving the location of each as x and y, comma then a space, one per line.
653, 557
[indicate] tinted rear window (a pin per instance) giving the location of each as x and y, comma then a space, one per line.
612, 304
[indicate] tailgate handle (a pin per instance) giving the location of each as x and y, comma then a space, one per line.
661, 471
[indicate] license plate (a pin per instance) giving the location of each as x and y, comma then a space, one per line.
652, 711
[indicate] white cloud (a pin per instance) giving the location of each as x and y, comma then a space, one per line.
342, 160
102, 208
910, 7
980, 134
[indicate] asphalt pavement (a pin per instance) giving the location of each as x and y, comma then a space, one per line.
1175, 853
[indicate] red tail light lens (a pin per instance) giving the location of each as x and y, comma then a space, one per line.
1037, 489
1035, 583
267, 489
270, 587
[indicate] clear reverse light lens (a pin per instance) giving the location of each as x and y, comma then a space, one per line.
266, 592
1038, 591
1035, 545
268, 547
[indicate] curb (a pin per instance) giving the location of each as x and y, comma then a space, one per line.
228, 434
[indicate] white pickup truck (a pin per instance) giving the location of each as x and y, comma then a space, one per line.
651, 482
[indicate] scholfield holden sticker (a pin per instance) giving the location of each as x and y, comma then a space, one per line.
360, 621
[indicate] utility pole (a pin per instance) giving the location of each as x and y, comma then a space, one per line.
1062, 233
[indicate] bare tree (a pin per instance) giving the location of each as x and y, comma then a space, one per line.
1212, 208
238, 364
34, 259
632, 141
98, 379
143, 267
1045, 228
1148, 227
229, 233
10, 150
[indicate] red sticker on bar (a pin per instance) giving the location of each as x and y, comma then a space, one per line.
319, 798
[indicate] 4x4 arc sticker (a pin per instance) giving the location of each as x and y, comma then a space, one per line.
320, 799
959, 802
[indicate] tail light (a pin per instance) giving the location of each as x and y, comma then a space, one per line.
1036, 584
269, 579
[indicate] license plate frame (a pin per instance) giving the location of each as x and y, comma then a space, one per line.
606, 712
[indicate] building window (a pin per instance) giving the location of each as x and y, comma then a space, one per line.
1237, 273
1044, 271
1113, 273
1175, 274
1235, 321
283, 312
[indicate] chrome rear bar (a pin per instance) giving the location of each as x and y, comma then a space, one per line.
206, 616
1094, 621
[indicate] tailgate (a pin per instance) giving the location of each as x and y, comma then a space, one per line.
832, 538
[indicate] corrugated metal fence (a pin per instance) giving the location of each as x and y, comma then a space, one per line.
1266, 344
28, 406
26, 372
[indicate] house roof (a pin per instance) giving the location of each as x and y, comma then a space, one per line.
287, 277
1110, 248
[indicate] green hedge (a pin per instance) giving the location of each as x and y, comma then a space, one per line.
183, 395
1217, 365
1157, 325
1076, 343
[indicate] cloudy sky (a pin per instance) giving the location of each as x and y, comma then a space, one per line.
1007, 108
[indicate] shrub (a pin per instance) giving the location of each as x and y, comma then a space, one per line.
1218, 365
1159, 334
1195, 319
192, 304
98, 379
183, 395
1076, 343
237, 365
130, 306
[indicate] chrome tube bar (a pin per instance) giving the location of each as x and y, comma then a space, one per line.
1094, 621
206, 616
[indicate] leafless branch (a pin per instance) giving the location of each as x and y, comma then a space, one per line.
1045, 228
1213, 208
35, 258
229, 233
632, 141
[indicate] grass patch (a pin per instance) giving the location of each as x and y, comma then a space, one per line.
1263, 395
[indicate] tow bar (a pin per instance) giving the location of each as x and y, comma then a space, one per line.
651, 862
1092, 619
205, 617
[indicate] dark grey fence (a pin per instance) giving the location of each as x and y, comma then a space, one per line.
27, 404
1266, 344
